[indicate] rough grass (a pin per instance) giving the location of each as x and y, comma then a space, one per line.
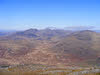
43, 70
35, 73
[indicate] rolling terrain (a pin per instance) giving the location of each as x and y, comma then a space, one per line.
51, 47
59, 48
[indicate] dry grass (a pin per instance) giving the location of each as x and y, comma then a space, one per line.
26, 70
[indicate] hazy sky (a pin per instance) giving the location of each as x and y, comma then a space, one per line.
24, 14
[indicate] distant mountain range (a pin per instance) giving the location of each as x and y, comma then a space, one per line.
2, 33
50, 47
6, 32
97, 31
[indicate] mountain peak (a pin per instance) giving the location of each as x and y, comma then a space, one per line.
31, 30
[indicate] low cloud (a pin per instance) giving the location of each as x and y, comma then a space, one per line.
79, 27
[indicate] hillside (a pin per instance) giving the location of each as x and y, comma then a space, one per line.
50, 47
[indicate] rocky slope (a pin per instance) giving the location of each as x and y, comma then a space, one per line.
50, 47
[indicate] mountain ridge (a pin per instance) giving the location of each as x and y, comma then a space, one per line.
55, 47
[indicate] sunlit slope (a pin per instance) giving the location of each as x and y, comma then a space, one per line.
73, 48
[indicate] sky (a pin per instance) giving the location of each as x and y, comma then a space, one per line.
25, 14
